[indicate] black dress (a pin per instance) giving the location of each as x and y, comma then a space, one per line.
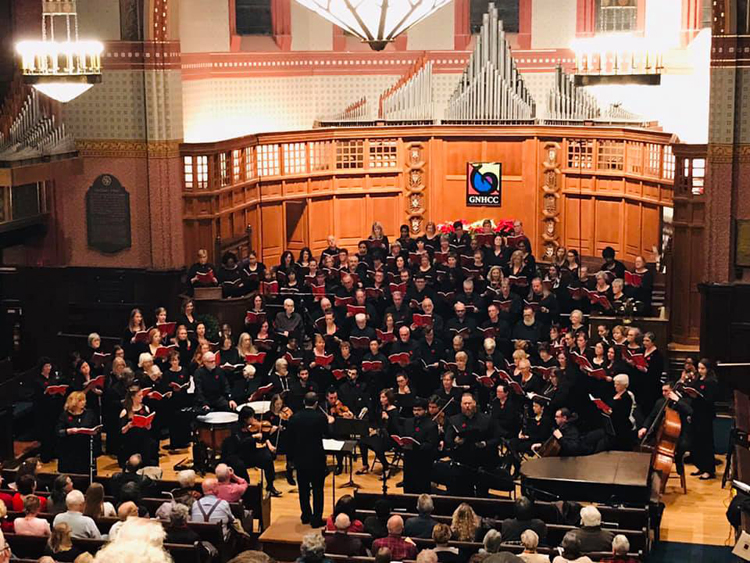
181, 401
703, 425
74, 449
47, 409
138, 441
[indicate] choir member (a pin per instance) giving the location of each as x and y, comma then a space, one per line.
506, 411
527, 330
135, 325
404, 396
623, 414
420, 454
379, 238
615, 267
652, 377
202, 273
448, 394
430, 237
643, 293
115, 389
187, 316
137, 438
49, 398
76, 448
178, 381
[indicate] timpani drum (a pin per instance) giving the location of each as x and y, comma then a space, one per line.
215, 427
260, 407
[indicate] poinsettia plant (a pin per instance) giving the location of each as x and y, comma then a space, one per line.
502, 226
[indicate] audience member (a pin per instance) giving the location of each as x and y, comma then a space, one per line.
127, 510
383, 555
441, 535
312, 549
422, 525
26, 485
346, 505
61, 486
211, 508
231, 487
340, 542
377, 525
252, 556
5, 553
427, 556
492, 541
524, 519
5, 524
60, 544
80, 526
95, 506
140, 540
84, 557
571, 550
177, 529
31, 524
530, 542
590, 534
620, 549
465, 524
400, 548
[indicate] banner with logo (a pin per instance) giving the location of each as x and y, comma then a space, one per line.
483, 184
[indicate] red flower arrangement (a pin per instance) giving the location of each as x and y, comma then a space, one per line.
502, 226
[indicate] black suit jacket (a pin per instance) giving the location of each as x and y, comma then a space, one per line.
306, 431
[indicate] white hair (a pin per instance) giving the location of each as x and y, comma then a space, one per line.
222, 472
620, 544
209, 357
427, 556
342, 522
248, 370
288, 302
142, 531
312, 544
621, 379
186, 478
119, 551
590, 516
143, 358
74, 498
425, 504
490, 344
360, 317
530, 540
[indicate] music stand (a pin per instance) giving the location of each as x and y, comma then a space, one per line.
347, 448
350, 429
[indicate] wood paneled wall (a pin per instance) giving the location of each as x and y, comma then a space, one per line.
296, 188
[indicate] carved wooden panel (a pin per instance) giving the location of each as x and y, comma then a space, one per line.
320, 224
272, 223
608, 219
579, 224
295, 218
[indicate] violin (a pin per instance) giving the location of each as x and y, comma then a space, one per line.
340, 409
285, 413
262, 426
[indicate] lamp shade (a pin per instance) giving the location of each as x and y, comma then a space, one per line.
377, 22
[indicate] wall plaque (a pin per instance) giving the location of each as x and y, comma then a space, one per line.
108, 215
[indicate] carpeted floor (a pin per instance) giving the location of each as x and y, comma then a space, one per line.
674, 552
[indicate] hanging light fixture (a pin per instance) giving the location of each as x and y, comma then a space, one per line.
62, 70
377, 22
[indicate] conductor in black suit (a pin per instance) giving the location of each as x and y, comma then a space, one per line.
306, 431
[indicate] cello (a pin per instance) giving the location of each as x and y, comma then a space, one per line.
667, 436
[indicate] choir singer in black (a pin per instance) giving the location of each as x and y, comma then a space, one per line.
472, 439
306, 429
419, 455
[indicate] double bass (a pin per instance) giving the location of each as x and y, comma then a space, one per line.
667, 436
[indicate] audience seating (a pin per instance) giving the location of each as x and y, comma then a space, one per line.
32, 547
254, 500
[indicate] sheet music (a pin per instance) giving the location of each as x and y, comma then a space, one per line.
330, 445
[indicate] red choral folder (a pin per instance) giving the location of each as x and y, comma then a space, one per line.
141, 421
56, 390
86, 431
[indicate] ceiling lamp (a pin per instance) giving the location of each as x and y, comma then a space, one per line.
62, 70
377, 22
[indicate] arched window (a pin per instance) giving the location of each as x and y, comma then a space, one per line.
254, 17
507, 11
616, 15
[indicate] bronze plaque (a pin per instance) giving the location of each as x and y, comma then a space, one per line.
742, 244
108, 215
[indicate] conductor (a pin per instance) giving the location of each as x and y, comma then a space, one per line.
306, 430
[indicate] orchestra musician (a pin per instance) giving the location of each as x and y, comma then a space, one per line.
279, 414
249, 446
212, 390
384, 423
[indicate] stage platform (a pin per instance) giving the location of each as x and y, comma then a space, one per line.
606, 477
281, 540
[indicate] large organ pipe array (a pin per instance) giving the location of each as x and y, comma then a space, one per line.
33, 133
568, 102
491, 88
356, 113
410, 99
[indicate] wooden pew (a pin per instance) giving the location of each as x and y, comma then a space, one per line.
469, 548
255, 500
32, 548
622, 517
